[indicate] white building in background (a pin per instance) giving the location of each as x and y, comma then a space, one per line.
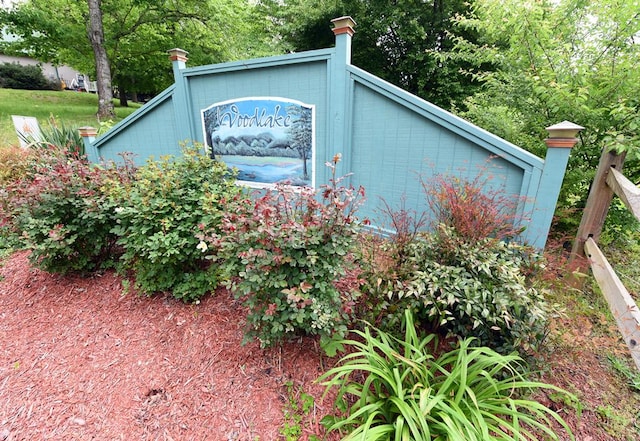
51, 72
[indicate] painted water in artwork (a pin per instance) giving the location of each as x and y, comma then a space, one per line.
266, 140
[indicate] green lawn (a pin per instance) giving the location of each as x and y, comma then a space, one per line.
74, 109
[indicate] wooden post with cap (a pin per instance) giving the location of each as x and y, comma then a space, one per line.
562, 138
182, 108
340, 142
88, 135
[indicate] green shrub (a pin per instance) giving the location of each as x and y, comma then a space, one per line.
61, 211
161, 213
462, 288
391, 388
13, 164
464, 278
17, 76
288, 249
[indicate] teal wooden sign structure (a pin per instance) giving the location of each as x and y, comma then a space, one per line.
387, 137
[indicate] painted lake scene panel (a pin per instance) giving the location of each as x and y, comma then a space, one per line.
266, 140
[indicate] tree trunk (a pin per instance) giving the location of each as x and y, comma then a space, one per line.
122, 94
103, 71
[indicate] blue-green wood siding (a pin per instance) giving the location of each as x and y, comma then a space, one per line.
394, 148
149, 132
389, 139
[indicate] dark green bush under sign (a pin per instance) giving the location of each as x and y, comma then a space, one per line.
466, 288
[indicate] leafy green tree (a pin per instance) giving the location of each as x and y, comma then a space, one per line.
569, 60
402, 41
137, 34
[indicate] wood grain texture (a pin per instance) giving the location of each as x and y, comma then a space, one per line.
626, 190
388, 137
622, 305
598, 202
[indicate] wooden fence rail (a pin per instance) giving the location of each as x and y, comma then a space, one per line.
622, 305
625, 190
609, 181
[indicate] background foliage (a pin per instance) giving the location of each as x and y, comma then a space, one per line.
138, 35
570, 60
403, 42
17, 76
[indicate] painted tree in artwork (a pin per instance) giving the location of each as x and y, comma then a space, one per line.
212, 124
301, 134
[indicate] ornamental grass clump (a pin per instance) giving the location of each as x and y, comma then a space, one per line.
284, 251
56, 134
391, 388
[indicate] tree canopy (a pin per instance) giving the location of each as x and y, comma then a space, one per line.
137, 35
574, 60
402, 41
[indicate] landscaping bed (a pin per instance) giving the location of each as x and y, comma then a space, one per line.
86, 355
83, 359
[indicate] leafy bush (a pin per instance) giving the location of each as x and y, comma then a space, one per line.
17, 76
462, 279
13, 164
61, 211
396, 389
473, 208
467, 289
289, 248
160, 215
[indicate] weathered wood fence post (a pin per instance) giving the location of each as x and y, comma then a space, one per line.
595, 212
586, 254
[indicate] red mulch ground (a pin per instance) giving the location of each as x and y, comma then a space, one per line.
81, 361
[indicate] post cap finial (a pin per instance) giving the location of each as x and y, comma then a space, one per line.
343, 25
88, 132
565, 129
177, 54
563, 134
